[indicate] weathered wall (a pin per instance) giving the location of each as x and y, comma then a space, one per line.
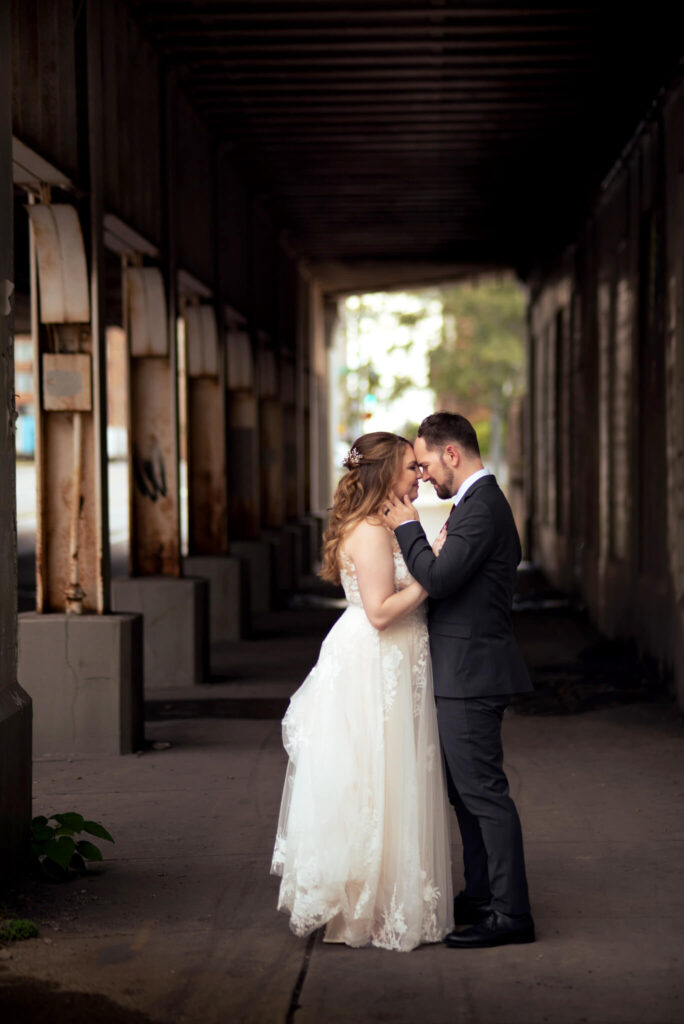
15, 705
194, 175
43, 65
673, 119
234, 233
605, 453
200, 206
132, 103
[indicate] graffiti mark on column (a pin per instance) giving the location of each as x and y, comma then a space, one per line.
149, 472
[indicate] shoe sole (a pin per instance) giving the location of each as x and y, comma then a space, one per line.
515, 940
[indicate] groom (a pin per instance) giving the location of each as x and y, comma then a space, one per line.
476, 665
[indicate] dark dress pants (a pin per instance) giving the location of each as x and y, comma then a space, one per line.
493, 858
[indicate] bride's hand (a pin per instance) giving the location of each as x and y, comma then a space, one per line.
396, 512
438, 543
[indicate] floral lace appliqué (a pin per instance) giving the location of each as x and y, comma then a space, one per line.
393, 926
431, 895
420, 670
279, 851
391, 660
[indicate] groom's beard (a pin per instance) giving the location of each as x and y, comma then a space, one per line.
443, 491
447, 488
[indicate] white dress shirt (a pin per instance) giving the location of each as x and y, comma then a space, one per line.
468, 483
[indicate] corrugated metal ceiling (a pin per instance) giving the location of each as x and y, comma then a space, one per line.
414, 131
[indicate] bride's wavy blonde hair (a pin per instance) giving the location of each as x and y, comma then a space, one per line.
373, 463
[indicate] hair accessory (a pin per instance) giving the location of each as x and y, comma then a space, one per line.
353, 458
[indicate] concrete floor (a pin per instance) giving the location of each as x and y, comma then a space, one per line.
179, 923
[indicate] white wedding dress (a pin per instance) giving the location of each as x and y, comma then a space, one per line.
362, 843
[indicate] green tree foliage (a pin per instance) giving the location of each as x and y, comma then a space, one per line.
479, 365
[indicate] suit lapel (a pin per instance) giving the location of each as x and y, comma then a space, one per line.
485, 481
459, 510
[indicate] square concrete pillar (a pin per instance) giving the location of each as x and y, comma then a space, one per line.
296, 541
311, 552
287, 548
84, 675
176, 626
228, 594
15, 777
282, 563
257, 556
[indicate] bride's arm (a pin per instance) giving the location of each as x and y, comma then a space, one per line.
370, 548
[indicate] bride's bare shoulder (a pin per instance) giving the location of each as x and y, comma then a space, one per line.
367, 533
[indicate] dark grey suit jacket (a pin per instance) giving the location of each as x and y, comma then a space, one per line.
470, 587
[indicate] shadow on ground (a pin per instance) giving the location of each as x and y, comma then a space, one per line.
26, 1000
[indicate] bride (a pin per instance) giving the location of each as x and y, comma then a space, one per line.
362, 843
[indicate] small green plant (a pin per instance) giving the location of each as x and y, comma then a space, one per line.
54, 850
15, 929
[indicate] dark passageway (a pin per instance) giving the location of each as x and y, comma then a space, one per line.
188, 189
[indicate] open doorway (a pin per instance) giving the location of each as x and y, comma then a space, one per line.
458, 347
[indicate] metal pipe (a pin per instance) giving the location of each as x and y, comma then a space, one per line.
74, 592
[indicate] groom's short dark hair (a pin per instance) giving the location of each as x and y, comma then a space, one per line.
443, 428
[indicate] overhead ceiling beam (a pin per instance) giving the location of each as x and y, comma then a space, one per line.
437, 70
394, 56
253, 10
370, 39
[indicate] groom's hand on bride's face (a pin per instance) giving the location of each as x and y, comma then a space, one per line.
396, 512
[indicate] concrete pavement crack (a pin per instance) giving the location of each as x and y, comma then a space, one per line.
301, 978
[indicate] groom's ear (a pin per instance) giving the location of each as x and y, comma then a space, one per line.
453, 455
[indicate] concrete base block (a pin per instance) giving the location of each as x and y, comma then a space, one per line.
84, 675
227, 593
15, 779
175, 612
258, 558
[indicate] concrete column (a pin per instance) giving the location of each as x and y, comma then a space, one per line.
71, 513
175, 610
15, 704
84, 672
303, 396
244, 491
291, 453
319, 432
206, 434
674, 361
271, 442
292, 456
207, 482
243, 443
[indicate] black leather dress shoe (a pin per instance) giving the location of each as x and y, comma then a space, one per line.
468, 910
494, 929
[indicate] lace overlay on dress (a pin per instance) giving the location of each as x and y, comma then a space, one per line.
362, 843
